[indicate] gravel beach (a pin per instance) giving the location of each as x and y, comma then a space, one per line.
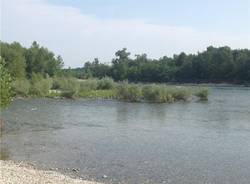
14, 173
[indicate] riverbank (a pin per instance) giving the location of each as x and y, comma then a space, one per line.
13, 173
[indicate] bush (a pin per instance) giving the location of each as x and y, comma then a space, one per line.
40, 86
105, 83
153, 93
180, 93
129, 92
66, 84
103, 94
88, 85
21, 87
157, 93
202, 94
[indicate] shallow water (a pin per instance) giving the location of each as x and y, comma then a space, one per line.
192, 142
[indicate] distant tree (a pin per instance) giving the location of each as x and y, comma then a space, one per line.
41, 60
120, 65
212, 65
96, 69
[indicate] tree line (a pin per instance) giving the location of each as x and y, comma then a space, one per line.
221, 64
213, 65
22, 62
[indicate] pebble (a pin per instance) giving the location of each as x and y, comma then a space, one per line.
75, 170
104, 176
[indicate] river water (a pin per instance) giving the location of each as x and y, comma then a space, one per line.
184, 142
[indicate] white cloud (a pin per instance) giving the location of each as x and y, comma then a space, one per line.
79, 38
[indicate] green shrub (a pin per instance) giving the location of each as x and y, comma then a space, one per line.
129, 92
202, 94
105, 83
88, 85
21, 87
66, 84
157, 93
180, 93
152, 93
56, 83
40, 86
104, 94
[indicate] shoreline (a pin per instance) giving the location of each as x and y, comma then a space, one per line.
24, 173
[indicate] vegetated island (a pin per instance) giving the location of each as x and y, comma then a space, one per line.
37, 72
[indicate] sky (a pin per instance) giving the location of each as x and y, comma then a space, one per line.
81, 30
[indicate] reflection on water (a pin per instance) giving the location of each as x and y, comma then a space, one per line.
196, 142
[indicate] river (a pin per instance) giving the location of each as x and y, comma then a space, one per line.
118, 142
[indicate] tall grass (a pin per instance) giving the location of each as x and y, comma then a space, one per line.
163, 93
103, 94
155, 93
202, 94
129, 92
180, 93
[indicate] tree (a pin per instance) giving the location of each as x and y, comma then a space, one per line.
17, 68
41, 60
120, 65
13, 54
5, 85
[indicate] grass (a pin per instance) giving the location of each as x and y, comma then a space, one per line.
202, 94
129, 92
106, 88
105, 94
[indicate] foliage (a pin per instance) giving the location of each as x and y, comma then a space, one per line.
163, 93
88, 85
68, 85
180, 93
105, 83
40, 86
95, 69
21, 87
104, 94
23, 61
65, 83
213, 65
129, 92
202, 94
156, 93
5, 85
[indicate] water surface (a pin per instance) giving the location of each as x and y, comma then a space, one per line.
185, 142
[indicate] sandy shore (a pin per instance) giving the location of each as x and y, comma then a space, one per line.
14, 173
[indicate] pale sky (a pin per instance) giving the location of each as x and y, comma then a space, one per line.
81, 30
